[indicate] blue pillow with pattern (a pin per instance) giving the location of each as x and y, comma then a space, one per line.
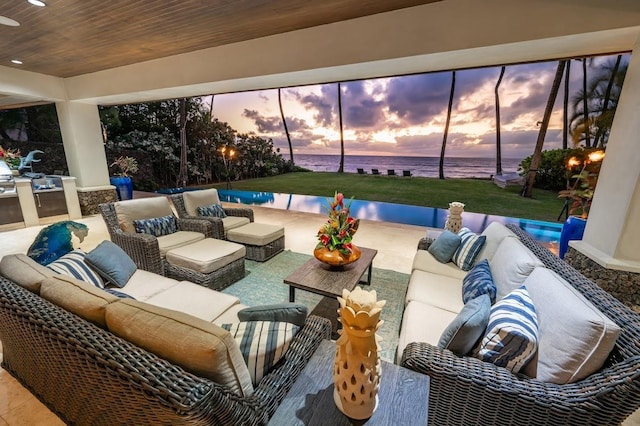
469, 248
213, 210
156, 226
74, 265
479, 281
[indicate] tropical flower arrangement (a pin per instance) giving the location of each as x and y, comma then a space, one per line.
10, 156
338, 232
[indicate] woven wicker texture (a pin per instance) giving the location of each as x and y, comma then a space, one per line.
467, 391
265, 252
216, 280
88, 376
218, 227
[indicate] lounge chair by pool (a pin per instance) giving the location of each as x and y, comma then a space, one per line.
406, 173
375, 172
391, 172
361, 172
510, 178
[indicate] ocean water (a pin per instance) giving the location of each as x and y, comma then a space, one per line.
459, 167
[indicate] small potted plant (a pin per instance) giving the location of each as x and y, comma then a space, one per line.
124, 166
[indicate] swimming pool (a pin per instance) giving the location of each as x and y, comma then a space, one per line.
389, 212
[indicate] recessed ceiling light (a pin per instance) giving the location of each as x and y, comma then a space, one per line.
8, 21
16, 61
37, 3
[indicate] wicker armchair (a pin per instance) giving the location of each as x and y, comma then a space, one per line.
144, 248
465, 390
88, 376
218, 224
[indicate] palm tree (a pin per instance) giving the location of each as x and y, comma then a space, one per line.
286, 129
182, 176
597, 142
527, 188
498, 147
565, 113
585, 107
446, 126
341, 168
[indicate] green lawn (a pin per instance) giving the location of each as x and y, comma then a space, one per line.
480, 196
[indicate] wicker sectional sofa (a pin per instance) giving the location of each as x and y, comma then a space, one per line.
467, 391
76, 364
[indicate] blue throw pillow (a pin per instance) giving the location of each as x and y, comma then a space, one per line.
157, 226
444, 246
461, 336
479, 281
75, 264
112, 263
511, 339
469, 248
213, 210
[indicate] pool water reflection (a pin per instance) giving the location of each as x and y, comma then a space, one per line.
389, 212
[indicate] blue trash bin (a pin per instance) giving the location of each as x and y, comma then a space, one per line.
573, 229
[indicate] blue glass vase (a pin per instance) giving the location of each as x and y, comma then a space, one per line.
124, 187
573, 229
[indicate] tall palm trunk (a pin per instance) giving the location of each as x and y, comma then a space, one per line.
211, 108
341, 168
446, 126
527, 189
498, 144
599, 138
565, 115
585, 105
286, 129
182, 176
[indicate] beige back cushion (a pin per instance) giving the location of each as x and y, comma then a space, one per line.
24, 271
196, 345
143, 208
495, 233
81, 298
195, 199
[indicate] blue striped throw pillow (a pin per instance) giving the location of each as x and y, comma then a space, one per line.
262, 343
73, 265
213, 210
156, 226
479, 281
511, 339
469, 248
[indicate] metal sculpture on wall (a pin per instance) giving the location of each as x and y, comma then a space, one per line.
26, 162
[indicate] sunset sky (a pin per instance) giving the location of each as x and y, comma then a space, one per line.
406, 115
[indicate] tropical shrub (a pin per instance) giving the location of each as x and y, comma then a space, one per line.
552, 172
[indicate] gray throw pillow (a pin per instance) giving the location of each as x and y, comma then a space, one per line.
468, 327
112, 263
444, 246
293, 313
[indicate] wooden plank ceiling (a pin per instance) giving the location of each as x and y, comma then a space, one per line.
73, 37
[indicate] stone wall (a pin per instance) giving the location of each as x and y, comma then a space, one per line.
89, 200
624, 286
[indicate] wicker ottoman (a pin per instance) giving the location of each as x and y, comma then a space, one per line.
261, 240
210, 262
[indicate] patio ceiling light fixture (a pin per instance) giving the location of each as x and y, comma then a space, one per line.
9, 22
37, 3
16, 61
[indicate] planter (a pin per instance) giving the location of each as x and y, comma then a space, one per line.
334, 258
573, 229
124, 187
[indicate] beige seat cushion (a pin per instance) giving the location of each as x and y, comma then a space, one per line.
575, 337
196, 345
144, 284
207, 255
422, 323
230, 316
199, 301
256, 234
435, 290
24, 271
195, 199
78, 297
178, 239
495, 233
232, 222
143, 208
424, 261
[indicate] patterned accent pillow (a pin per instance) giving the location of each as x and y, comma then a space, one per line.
469, 248
213, 210
511, 339
262, 343
157, 226
479, 281
73, 265
120, 294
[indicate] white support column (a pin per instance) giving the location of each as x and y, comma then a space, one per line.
612, 235
83, 145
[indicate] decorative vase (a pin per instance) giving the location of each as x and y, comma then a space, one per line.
124, 187
356, 372
335, 258
454, 220
573, 229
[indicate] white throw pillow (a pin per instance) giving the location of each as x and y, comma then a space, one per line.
495, 233
511, 265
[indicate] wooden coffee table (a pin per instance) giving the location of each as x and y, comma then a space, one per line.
319, 278
403, 398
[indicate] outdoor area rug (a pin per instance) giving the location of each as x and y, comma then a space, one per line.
263, 284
